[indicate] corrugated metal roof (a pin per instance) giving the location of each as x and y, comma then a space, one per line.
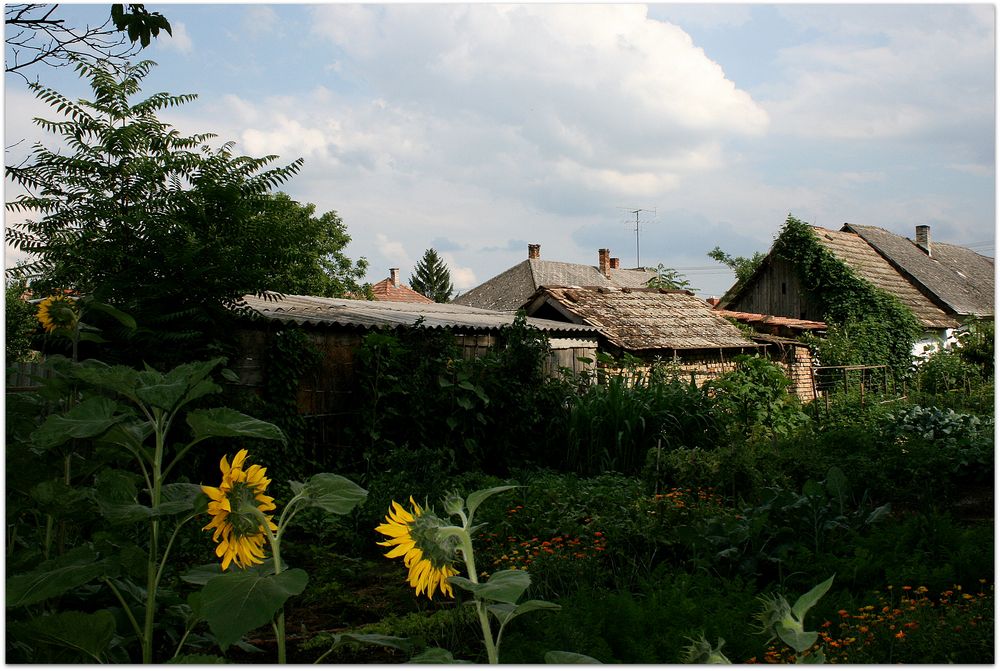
853, 250
642, 318
958, 277
345, 312
510, 289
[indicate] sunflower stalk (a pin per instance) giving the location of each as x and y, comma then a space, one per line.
492, 653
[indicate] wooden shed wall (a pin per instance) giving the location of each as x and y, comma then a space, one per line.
777, 291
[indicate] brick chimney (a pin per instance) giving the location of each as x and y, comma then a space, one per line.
534, 251
924, 238
604, 262
394, 276
615, 263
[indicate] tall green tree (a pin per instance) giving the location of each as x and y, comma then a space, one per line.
19, 320
159, 225
743, 266
320, 267
432, 278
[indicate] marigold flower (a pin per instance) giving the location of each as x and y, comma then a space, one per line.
238, 528
900, 634
413, 536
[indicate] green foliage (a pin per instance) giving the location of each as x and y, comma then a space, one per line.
668, 278
20, 323
432, 278
612, 425
140, 24
865, 324
160, 225
754, 398
318, 266
743, 267
425, 410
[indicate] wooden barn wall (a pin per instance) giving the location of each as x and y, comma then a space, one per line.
777, 291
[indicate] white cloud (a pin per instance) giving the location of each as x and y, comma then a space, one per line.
177, 40
460, 276
392, 250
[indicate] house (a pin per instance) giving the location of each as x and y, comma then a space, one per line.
956, 279
337, 326
390, 289
670, 326
940, 285
509, 290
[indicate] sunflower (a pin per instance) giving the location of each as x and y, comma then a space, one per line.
57, 312
414, 536
238, 531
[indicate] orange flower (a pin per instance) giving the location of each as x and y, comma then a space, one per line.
900, 634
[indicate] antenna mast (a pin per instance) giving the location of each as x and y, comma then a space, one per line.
638, 227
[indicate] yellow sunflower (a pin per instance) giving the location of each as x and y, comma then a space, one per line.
238, 531
415, 539
57, 312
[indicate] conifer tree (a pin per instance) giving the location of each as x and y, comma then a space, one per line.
432, 278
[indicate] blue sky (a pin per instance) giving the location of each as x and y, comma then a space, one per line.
478, 129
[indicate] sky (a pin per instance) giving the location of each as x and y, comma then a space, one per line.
477, 129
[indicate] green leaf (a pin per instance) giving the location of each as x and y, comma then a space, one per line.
505, 612
474, 499
89, 418
120, 379
380, 639
505, 586
332, 493
435, 656
810, 599
797, 640
124, 319
228, 423
200, 575
240, 601
70, 636
562, 657
54, 577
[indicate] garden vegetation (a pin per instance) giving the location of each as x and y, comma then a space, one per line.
485, 511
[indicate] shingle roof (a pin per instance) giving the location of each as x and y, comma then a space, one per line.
862, 258
958, 279
642, 319
753, 318
387, 291
390, 314
510, 289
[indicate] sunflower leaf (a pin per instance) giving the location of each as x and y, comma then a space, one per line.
474, 499
504, 586
435, 656
332, 493
239, 601
54, 577
89, 418
228, 423
67, 637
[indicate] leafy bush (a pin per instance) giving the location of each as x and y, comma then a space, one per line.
754, 398
613, 424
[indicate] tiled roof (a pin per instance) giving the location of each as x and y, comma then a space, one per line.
360, 314
755, 319
862, 258
510, 289
958, 279
387, 291
642, 318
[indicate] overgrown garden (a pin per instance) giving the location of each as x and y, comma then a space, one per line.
484, 512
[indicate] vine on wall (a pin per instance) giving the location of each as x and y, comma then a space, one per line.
867, 325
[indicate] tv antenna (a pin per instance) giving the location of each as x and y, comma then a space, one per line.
633, 223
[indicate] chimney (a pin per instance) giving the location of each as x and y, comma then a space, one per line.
534, 251
394, 276
615, 263
604, 262
924, 238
